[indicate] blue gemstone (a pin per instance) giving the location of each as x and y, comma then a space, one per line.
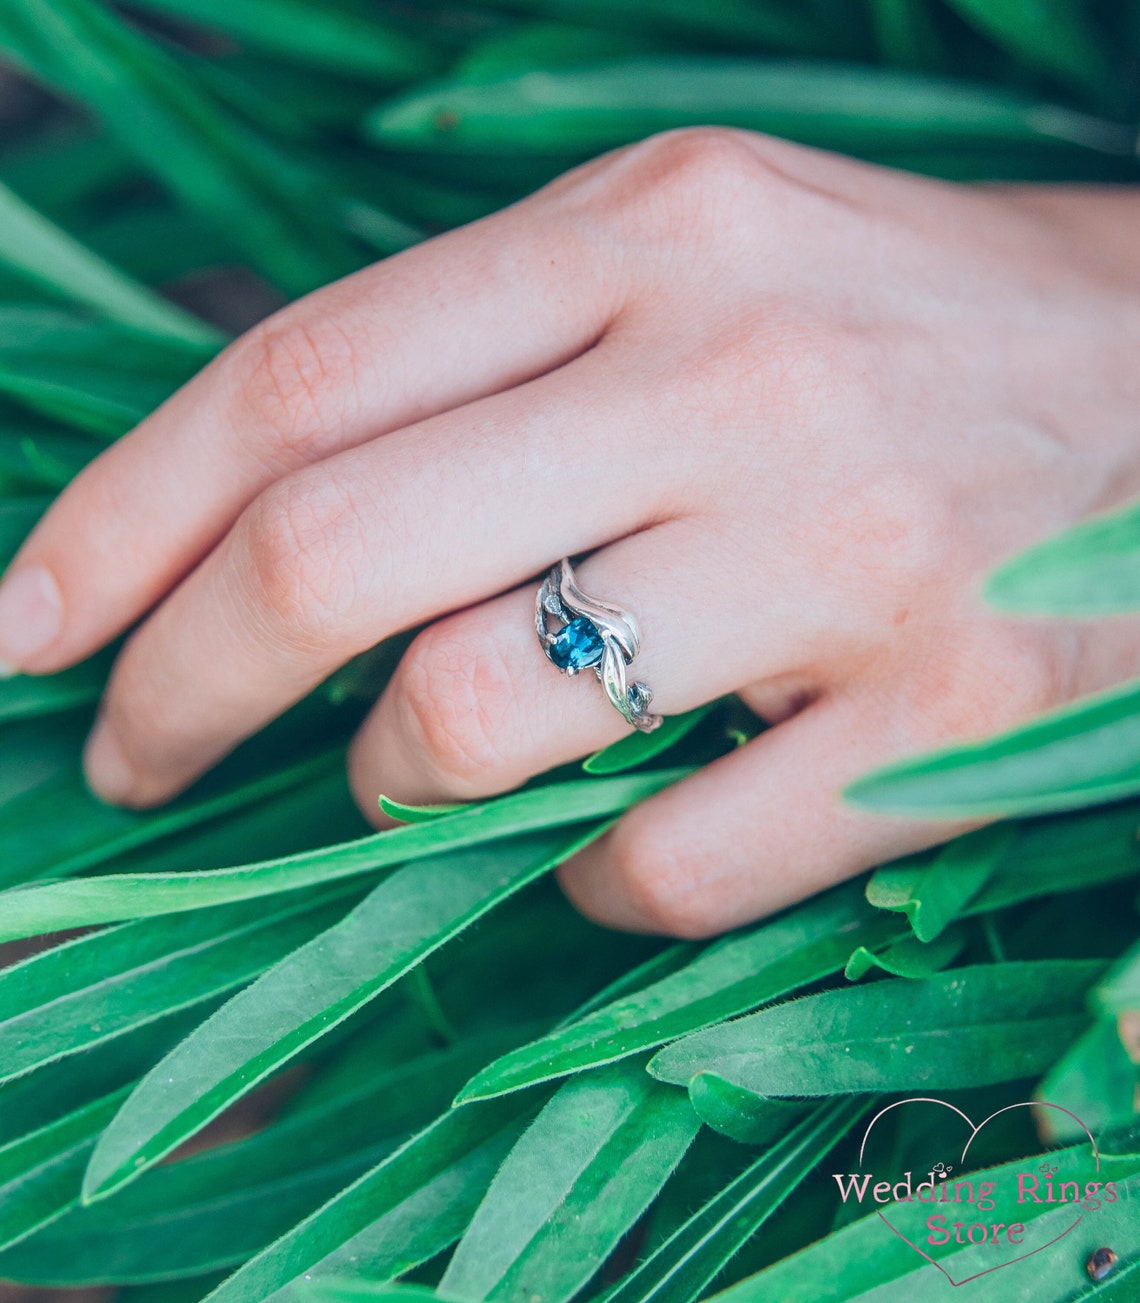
576, 645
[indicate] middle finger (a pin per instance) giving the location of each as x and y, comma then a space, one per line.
335, 557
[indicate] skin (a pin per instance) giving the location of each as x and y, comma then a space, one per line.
792, 407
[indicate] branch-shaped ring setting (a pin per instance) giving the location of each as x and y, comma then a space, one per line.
593, 635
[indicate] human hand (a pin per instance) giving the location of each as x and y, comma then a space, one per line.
794, 407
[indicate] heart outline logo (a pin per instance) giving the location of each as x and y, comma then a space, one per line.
974, 1130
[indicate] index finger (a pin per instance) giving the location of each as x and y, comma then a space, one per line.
469, 314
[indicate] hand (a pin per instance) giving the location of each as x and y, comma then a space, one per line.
793, 407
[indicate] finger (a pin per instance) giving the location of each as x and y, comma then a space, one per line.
475, 708
333, 558
751, 833
469, 314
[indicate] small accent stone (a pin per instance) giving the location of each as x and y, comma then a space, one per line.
576, 645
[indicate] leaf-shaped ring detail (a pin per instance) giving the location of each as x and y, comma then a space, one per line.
595, 635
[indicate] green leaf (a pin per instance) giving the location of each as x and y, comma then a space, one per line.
261, 196
1064, 852
159, 242
40, 1173
908, 956
405, 1210
691, 1258
362, 1291
101, 985
1092, 569
1095, 1081
1119, 990
1053, 35
640, 747
60, 828
966, 1027
522, 47
742, 1115
49, 908
906, 33
404, 919
728, 978
865, 1263
733, 21
322, 35
218, 1207
47, 1094
30, 697
64, 165
35, 248
565, 113
933, 892
580, 1176
1079, 755
419, 813
95, 375
642, 975
43, 459
34, 753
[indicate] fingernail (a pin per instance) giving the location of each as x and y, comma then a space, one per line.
31, 614
109, 775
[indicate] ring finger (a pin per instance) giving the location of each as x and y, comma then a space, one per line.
475, 708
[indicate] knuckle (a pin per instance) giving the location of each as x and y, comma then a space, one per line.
698, 156
896, 527
683, 185
991, 682
662, 885
455, 698
306, 557
296, 377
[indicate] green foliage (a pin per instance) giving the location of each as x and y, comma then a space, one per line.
1089, 570
727, 978
457, 1059
965, 1027
933, 891
860, 1263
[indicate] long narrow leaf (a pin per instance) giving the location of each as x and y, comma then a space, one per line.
681, 1268
104, 984
568, 113
1093, 569
964, 1027
34, 910
40, 1173
217, 1208
580, 1176
1055, 35
1077, 756
402, 1212
50, 258
319, 34
255, 193
60, 829
865, 1263
304, 996
734, 975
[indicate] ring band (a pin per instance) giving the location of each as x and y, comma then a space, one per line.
593, 635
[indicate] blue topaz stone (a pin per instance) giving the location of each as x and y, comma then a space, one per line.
576, 645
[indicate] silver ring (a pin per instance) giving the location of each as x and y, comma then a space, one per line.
593, 635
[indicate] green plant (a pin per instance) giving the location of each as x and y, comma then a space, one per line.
617, 1125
